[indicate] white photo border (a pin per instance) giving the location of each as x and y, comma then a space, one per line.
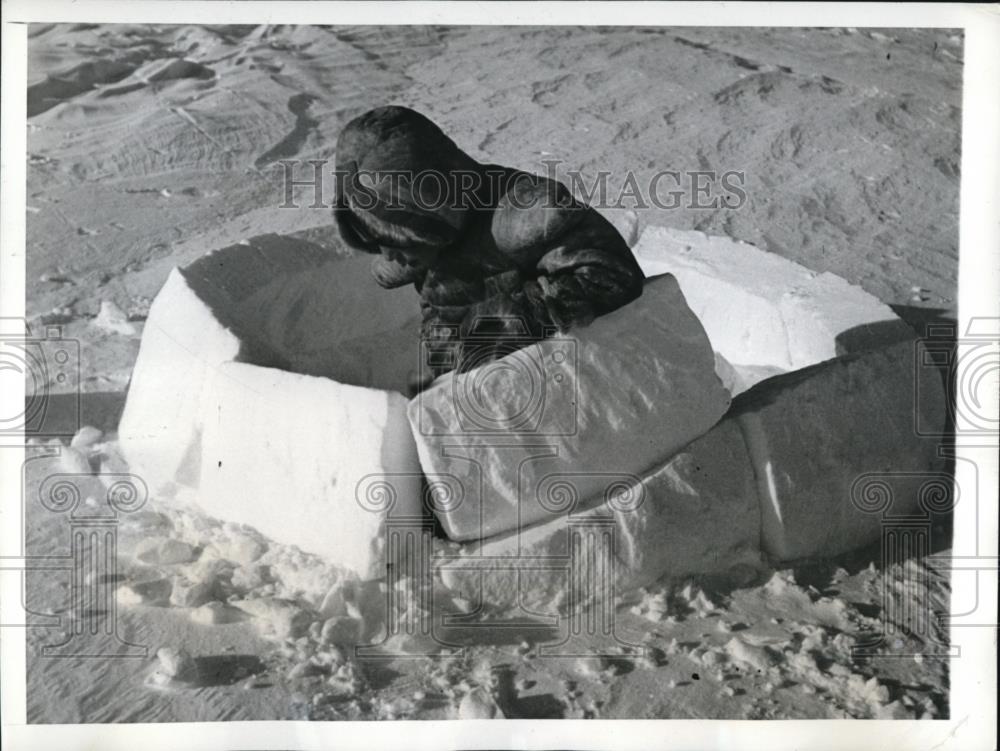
972, 724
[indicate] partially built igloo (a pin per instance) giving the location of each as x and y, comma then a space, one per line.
271, 378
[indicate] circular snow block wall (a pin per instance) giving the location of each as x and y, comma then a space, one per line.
764, 314
296, 307
271, 376
270, 379
834, 392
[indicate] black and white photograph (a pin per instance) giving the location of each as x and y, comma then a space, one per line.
481, 371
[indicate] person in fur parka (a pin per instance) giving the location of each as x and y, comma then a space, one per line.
500, 257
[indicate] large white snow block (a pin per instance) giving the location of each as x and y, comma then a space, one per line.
284, 309
695, 514
765, 314
182, 345
271, 301
831, 442
288, 454
618, 396
296, 306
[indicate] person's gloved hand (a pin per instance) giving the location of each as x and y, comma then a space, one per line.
507, 320
391, 274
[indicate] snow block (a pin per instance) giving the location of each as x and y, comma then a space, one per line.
284, 453
297, 307
182, 344
831, 443
284, 362
617, 396
695, 514
764, 314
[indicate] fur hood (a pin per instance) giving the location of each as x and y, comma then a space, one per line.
396, 181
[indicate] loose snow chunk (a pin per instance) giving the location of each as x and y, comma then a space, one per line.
289, 455
144, 592
163, 551
837, 453
275, 617
74, 461
341, 630
697, 513
610, 399
763, 313
241, 549
758, 658
213, 614
192, 594
479, 704
177, 664
86, 437
112, 319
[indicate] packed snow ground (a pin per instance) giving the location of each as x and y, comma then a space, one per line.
240, 627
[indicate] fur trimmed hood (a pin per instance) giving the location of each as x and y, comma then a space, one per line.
397, 176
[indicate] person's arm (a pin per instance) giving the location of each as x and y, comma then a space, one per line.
574, 265
570, 266
390, 274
